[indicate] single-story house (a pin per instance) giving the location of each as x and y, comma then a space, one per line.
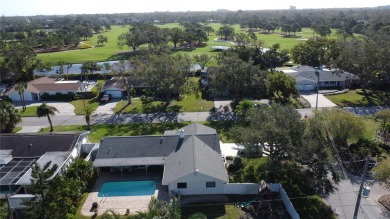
46, 86
18, 152
306, 78
116, 86
191, 158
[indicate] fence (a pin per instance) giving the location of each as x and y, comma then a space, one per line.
241, 188
276, 187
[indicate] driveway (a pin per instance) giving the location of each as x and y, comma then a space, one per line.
322, 100
221, 103
106, 109
64, 108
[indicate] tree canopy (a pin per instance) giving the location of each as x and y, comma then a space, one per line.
9, 116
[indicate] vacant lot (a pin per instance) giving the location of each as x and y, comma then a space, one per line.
110, 51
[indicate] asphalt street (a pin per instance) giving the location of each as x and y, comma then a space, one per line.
110, 118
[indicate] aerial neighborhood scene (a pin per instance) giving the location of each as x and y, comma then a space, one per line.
194, 110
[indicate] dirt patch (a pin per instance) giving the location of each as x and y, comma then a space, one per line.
385, 201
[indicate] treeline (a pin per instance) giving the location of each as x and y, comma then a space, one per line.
349, 20
51, 34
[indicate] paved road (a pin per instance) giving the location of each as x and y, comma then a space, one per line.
344, 199
56, 120
109, 118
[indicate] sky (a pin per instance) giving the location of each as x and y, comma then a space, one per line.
57, 7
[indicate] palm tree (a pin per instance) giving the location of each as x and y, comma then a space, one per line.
46, 110
88, 113
61, 70
160, 209
9, 116
20, 87
243, 107
68, 66
40, 182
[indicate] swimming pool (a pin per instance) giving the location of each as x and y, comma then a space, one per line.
127, 188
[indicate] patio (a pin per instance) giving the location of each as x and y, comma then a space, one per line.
119, 204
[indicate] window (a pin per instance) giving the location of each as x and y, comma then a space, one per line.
210, 184
181, 185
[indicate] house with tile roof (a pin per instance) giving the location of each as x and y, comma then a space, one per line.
191, 158
306, 78
46, 86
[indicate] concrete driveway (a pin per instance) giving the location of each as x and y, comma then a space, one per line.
106, 109
322, 100
221, 103
64, 108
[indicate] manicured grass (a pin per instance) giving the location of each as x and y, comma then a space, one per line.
359, 98
110, 51
213, 210
104, 130
189, 103
107, 52
16, 129
371, 127
30, 111
79, 105
81, 203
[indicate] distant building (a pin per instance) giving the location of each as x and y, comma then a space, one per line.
293, 7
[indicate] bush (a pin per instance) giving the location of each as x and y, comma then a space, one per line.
236, 165
84, 46
62, 97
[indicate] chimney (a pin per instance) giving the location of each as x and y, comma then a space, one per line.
181, 133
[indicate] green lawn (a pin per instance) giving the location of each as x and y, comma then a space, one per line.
110, 51
359, 98
104, 130
79, 105
30, 111
190, 103
371, 127
16, 129
213, 210
107, 52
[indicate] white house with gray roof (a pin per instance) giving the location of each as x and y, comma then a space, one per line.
306, 78
191, 158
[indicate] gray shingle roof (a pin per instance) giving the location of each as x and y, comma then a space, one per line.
116, 151
34, 145
194, 156
116, 82
305, 71
193, 129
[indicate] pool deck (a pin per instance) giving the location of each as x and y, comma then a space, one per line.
121, 203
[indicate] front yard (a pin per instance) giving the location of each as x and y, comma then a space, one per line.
359, 98
79, 105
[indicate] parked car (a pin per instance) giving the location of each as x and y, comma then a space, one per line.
105, 98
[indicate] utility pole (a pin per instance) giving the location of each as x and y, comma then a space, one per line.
360, 190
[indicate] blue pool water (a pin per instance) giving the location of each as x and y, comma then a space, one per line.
128, 188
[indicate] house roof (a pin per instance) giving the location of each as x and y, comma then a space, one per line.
46, 84
15, 201
119, 83
307, 72
57, 158
115, 82
35, 145
194, 157
26, 149
143, 150
193, 129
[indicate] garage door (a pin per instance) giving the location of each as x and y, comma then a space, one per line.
114, 93
305, 87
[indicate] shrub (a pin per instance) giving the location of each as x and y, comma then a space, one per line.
84, 46
63, 97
